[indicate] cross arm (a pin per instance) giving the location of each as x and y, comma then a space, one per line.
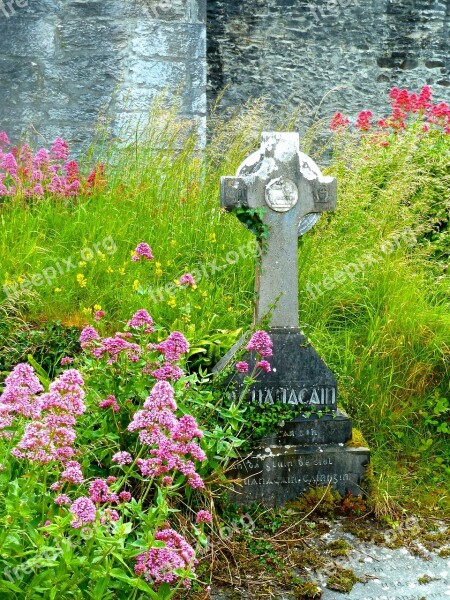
233, 193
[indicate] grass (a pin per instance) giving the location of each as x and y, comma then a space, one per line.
383, 324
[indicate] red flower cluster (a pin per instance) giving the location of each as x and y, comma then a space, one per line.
403, 105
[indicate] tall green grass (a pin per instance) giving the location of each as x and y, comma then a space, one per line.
384, 328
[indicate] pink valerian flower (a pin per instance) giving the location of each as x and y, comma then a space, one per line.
66, 360
87, 336
174, 346
72, 473
242, 367
125, 496
141, 318
339, 122
55, 487
99, 491
203, 516
122, 458
169, 439
21, 387
158, 565
363, 120
99, 314
264, 365
62, 500
41, 158
167, 372
110, 401
84, 510
142, 250
60, 149
187, 279
9, 164
167, 480
110, 479
4, 140
261, 343
161, 397
187, 429
113, 346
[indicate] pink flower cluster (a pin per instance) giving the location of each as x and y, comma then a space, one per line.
203, 516
173, 347
141, 319
18, 398
261, 343
167, 372
187, 279
110, 348
158, 565
110, 402
50, 434
99, 497
170, 439
25, 175
142, 250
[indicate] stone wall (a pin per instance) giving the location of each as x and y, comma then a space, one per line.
66, 65
345, 54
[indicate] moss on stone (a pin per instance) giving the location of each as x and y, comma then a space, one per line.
338, 548
342, 580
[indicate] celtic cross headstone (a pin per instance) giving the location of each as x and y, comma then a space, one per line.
289, 192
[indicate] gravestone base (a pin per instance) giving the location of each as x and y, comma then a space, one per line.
277, 474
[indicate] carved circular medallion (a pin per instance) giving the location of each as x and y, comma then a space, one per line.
281, 194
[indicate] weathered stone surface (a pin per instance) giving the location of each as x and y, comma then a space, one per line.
65, 65
335, 428
296, 52
277, 474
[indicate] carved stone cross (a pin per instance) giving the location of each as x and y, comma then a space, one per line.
290, 186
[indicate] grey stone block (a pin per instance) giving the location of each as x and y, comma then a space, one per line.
277, 475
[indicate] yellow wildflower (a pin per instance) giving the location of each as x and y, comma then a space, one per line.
57, 290
97, 307
158, 272
172, 302
169, 262
136, 285
212, 238
122, 271
176, 281
20, 279
198, 307
81, 263
102, 256
82, 282
87, 311
110, 270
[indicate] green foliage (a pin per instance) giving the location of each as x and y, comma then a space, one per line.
47, 342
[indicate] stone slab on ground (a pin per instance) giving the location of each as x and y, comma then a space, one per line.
390, 574
386, 573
